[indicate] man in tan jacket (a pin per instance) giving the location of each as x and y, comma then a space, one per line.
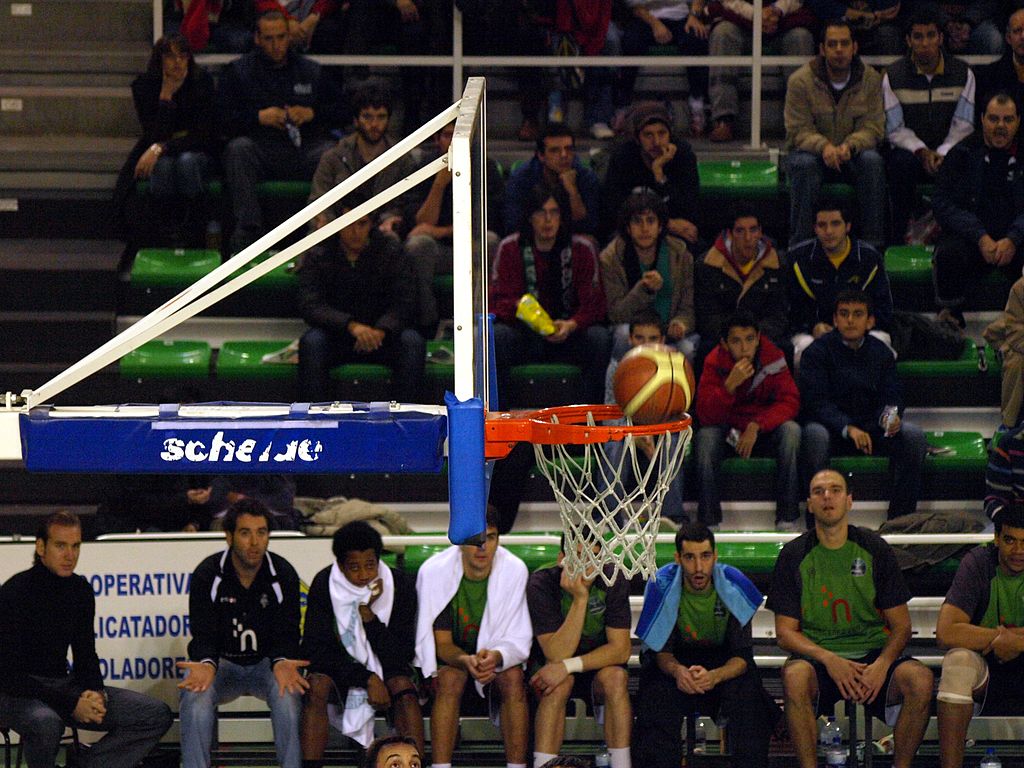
834, 122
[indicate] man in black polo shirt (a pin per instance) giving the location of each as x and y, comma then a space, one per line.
840, 608
929, 107
44, 611
980, 622
243, 607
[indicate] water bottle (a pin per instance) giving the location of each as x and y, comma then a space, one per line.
835, 755
887, 421
294, 134
700, 736
991, 760
603, 759
825, 734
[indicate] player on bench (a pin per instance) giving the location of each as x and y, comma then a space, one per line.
840, 606
582, 645
473, 623
982, 623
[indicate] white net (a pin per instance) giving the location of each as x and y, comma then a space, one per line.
610, 499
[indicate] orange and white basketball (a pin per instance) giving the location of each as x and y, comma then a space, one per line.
654, 383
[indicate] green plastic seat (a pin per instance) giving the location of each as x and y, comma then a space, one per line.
749, 558
283, 189
534, 555
755, 465
357, 373
662, 50
155, 267
168, 359
417, 554
214, 188
533, 373
966, 451
965, 366
244, 360
838, 190
281, 277
441, 362
746, 178
909, 263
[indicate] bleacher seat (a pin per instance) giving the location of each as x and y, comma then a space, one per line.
545, 384
168, 360
970, 380
743, 179
361, 381
171, 267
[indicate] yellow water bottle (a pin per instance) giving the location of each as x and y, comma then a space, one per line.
534, 315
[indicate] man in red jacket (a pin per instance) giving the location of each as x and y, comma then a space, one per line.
747, 398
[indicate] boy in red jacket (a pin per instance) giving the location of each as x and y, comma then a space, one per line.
748, 398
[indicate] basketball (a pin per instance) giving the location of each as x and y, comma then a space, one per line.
654, 383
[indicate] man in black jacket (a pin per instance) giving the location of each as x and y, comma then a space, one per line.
360, 638
279, 107
44, 611
358, 294
243, 610
979, 202
1002, 75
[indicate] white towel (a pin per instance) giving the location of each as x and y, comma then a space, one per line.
505, 626
356, 720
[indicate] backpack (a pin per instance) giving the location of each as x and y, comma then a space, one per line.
916, 337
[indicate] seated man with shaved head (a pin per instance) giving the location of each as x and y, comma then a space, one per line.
840, 606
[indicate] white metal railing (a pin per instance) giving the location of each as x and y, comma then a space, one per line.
755, 62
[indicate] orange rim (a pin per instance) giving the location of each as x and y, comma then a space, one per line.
503, 429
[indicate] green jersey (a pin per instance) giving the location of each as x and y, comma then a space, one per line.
465, 613
981, 590
702, 618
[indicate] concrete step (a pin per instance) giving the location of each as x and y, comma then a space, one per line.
94, 110
62, 154
85, 57
59, 274
52, 337
67, 22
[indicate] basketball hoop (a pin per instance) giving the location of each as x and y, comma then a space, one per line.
610, 497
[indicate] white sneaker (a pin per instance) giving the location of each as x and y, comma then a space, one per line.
789, 526
601, 131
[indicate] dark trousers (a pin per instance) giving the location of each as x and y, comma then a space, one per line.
321, 350
903, 172
589, 349
661, 707
637, 38
906, 451
958, 266
248, 162
134, 724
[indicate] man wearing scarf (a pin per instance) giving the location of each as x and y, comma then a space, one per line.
698, 656
359, 637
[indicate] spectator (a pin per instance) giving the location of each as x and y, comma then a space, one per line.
820, 269
838, 568
981, 671
357, 292
474, 625
174, 103
275, 492
312, 24
747, 394
834, 120
151, 503
646, 328
393, 752
929, 107
698, 657
1004, 478
654, 160
786, 31
1004, 75
561, 271
223, 26
873, 22
741, 271
979, 202
853, 403
555, 163
581, 648
1006, 335
503, 28
45, 612
682, 24
974, 28
429, 213
372, 609
278, 106
644, 268
244, 613
370, 140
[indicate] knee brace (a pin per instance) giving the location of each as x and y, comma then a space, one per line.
963, 672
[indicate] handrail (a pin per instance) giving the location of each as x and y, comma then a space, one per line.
755, 62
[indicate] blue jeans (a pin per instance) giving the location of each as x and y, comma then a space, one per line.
782, 442
906, 451
598, 83
321, 350
198, 712
865, 171
672, 504
183, 175
621, 343
134, 724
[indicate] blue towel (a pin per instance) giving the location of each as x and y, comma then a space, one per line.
661, 601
